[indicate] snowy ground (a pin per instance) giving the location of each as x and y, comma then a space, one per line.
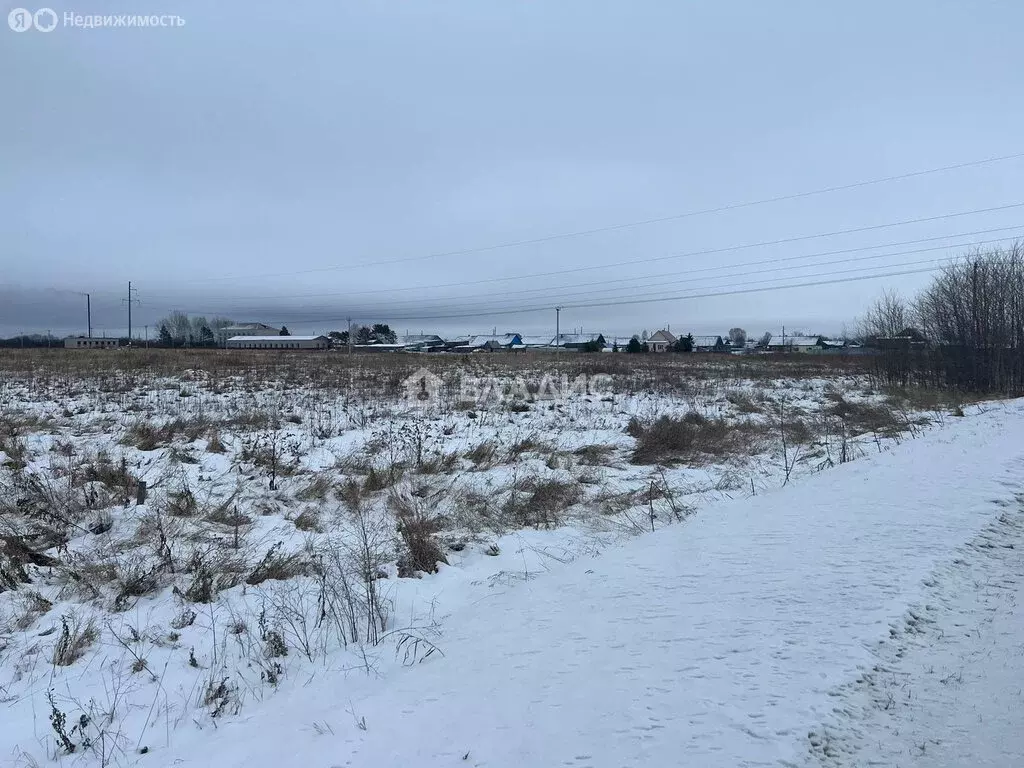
725, 641
255, 599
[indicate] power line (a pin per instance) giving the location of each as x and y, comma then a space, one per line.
641, 222
534, 310
689, 254
613, 301
559, 294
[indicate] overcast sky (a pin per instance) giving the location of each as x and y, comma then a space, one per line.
261, 161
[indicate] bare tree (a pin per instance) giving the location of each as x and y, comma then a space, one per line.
888, 316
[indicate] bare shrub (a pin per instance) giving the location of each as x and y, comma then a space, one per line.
276, 565
416, 527
76, 635
220, 696
135, 577
16, 555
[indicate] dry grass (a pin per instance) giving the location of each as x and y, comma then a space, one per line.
276, 565
694, 437
861, 417
146, 436
76, 636
594, 455
541, 503
483, 455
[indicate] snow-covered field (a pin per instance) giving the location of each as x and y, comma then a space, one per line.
273, 601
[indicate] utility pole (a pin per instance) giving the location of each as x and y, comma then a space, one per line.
88, 312
558, 335
129, 301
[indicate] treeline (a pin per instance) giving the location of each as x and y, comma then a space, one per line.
180, 330
378, 333
26, 340
965, 331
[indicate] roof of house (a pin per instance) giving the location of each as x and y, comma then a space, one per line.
504, 340
246, 326
707, 341
538, 341
422, 338
794, 341
249, 339
577, 338
662, 335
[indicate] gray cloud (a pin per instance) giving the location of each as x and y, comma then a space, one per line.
256, 141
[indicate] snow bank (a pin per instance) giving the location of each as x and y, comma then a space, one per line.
712, 643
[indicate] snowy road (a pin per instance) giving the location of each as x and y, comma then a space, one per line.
724, 641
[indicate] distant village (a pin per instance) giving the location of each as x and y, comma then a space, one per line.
182, 331
381, 339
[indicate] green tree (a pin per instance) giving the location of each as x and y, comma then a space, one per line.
383, 333
165, 337
363, 335
591, 346
206, 338
284, 331
338, 338
684, 343
635, 347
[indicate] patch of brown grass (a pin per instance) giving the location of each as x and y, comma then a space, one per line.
694, 436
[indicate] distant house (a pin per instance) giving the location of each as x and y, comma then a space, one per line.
278, 342
617, 343
574, 342
491, 343
795, 344
708, 344
427, 342
661, 341
450, 345
244, 329
84, 342
378, 348
538, 342
906, 340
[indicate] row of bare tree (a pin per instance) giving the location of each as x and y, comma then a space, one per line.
972, 316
